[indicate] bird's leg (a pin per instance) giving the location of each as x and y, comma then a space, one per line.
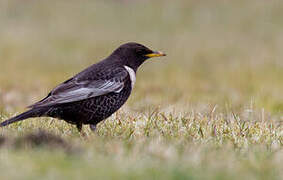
92, 127
79, 127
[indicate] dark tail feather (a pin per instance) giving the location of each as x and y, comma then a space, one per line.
28, 114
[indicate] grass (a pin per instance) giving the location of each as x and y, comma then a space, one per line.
211, 109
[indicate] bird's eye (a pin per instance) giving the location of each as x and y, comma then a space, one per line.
140, 52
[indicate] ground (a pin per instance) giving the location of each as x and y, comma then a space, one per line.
211, 109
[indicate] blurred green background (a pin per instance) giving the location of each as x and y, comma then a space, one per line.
218, 51
224, 54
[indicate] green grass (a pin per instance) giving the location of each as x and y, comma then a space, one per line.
211, 109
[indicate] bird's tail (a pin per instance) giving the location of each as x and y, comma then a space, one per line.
36, 112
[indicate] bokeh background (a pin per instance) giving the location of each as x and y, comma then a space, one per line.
222, 56
218, 51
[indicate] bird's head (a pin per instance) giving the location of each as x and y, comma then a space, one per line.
134, 54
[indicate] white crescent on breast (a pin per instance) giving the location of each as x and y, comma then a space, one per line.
132, 75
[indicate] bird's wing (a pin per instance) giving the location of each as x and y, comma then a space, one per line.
77, 89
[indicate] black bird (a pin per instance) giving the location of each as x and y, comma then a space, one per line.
95, 93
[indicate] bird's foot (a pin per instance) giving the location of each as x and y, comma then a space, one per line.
83, 134
80, 129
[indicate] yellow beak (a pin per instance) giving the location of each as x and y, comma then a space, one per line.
155, 54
